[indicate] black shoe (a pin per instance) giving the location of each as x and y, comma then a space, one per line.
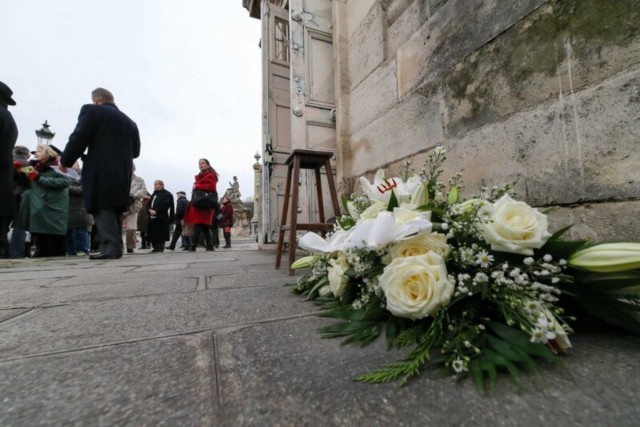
171, 248
216, 246
129, 251
227, 246
104, 256
158, 250
192, 249
186, 249
210, 249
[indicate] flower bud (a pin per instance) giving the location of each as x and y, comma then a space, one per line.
608, 257
420, 196
454, 195
304, 262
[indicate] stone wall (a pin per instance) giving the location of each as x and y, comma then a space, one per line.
543, 94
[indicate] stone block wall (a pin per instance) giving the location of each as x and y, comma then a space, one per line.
544, 94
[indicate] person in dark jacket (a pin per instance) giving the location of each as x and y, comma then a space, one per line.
111, 141
8, 137
227, 221
181, 209
78, 242
161, 215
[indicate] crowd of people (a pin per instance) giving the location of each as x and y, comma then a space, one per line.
50, 205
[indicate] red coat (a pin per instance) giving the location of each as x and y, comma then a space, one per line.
206, 181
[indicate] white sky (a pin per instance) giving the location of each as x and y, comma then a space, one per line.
186, 71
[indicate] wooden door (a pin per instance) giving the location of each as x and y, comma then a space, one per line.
312, 90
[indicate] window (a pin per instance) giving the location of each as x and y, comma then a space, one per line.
281, 35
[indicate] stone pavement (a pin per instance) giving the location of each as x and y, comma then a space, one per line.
216, 339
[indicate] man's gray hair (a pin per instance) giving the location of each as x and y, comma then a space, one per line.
101, 95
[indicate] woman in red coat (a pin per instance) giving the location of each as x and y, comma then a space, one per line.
199, 218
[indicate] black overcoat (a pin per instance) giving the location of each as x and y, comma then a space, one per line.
111, 141
8, 137
158, 228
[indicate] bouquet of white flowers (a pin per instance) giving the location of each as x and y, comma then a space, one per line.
472, 286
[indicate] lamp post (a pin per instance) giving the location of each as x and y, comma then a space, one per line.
44, 134
257, 168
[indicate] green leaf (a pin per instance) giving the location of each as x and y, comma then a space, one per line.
393, 201
344, 201
520, 340
314, 291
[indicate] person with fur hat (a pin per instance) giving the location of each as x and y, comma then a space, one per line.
8, 137
44, 208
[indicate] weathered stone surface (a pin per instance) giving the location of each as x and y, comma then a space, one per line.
563, 151
160, 382
401, 28
456, 29
303, 378
356, 13
389, 138
559, 49
369, 37
374, 97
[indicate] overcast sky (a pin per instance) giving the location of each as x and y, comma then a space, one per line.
186, 71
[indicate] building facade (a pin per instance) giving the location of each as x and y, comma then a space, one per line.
543, 94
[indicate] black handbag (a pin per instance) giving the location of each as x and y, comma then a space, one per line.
204, 199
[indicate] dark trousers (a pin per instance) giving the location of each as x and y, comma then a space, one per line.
50, 245
144, 242
109, 224
5, 221
227, 238
199, 229
215, 231
177, 232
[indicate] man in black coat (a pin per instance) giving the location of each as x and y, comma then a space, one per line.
8, 137
161, 215
181, 209
112, 141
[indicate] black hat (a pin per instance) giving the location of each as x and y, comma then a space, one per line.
21, 150
5, 93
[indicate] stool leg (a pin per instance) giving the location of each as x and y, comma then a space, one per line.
319, 196
294, 214
332, 189
283, 221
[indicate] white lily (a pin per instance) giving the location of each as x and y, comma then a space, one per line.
381, 188
374, 234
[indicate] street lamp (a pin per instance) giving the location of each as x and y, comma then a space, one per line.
45, 135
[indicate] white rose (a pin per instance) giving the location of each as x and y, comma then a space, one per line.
417, 286
419, 244
337, 279
515, 227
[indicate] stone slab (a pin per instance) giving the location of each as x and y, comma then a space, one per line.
84, 324
284, 374
159, 382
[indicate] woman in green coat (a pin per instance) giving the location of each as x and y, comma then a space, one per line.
44, 208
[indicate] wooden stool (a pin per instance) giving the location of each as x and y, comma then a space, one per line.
304, 159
